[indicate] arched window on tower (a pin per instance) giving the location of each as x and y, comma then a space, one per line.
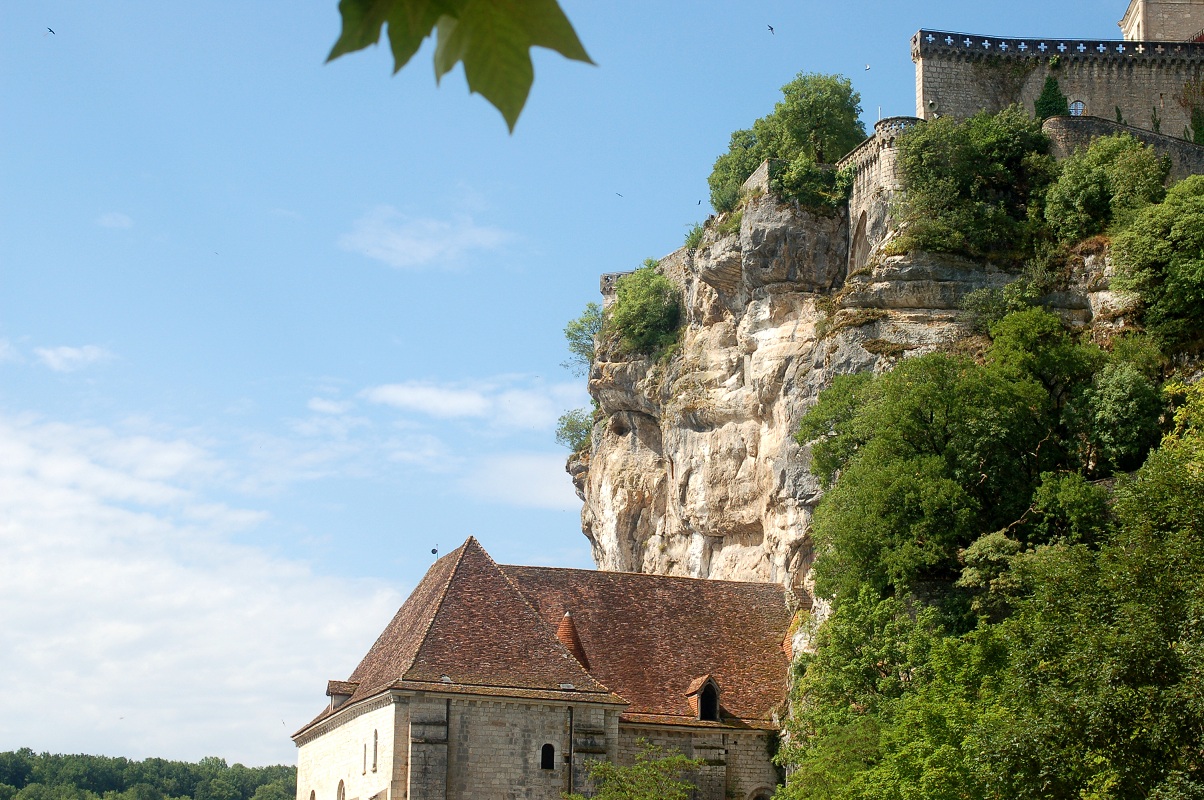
1078, 108
547, 757
375, 748
342, 793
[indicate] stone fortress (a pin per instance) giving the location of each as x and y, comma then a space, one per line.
498, 682
694, 470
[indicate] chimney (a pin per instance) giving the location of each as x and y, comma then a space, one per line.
566, 632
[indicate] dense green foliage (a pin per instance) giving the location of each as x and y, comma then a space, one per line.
1161, 258
1004, 624
580, 333
646, 311
974, 186
694, 236
25, 775
574, 429
1112, 179
815, 124
656, 775
492, 39
1051, 103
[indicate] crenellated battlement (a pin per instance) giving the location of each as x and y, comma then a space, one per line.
978, 47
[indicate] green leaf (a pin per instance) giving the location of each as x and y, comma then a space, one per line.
492, 38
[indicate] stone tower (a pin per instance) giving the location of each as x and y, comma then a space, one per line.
1163, 20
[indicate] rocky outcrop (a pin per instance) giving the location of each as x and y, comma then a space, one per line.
694, 469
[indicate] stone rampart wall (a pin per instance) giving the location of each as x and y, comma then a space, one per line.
1068, 134
875, 170
1153, 84
737, 763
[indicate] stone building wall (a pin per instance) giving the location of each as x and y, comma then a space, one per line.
1068, 134
1163, 20
737, 762
342, 749
1153, 84
875, 182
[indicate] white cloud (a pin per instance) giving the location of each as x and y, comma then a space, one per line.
321, 405
8, 351
70, 359
526, 480
387, 235
437, 401
114, 219
502, 401
131, 623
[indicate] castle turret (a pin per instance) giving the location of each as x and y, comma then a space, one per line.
1163, 21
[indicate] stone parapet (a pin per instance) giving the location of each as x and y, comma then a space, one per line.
1150, 85
1068, 134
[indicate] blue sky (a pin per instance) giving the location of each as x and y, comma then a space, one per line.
272, 329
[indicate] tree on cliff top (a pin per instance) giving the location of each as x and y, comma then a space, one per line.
817, 122
974, 186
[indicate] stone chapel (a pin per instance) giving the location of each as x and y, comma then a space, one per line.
495, 682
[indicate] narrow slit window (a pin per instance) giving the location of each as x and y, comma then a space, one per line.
375, 748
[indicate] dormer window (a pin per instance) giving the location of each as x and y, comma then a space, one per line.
708, 703
703, 695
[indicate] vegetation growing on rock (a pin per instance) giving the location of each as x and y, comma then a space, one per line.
1003, 623
816, 123
646, 311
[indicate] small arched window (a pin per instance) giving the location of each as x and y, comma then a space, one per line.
547, 757
1078, 108
375, 747
313, 795
365, 772
708, 703
342, 793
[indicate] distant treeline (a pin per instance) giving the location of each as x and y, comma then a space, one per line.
26, 775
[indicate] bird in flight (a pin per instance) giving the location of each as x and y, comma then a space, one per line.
867, 66
619, 194
770, 28
49, 31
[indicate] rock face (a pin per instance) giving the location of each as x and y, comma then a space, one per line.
694, 469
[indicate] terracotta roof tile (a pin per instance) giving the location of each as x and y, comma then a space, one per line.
647, 637
468, 622
492, 630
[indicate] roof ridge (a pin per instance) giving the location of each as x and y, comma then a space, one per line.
438, 600
648, 575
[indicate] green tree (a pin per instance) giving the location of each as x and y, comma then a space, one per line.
1051, 103
574, 428
491, 37
646, 311
1160, 257
580, 333
816, 123
657, 774
1111, 180
974, 186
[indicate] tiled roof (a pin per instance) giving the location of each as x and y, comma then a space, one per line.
472, 626
648, 637
468, 625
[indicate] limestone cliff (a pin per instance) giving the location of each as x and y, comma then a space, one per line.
693, 468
